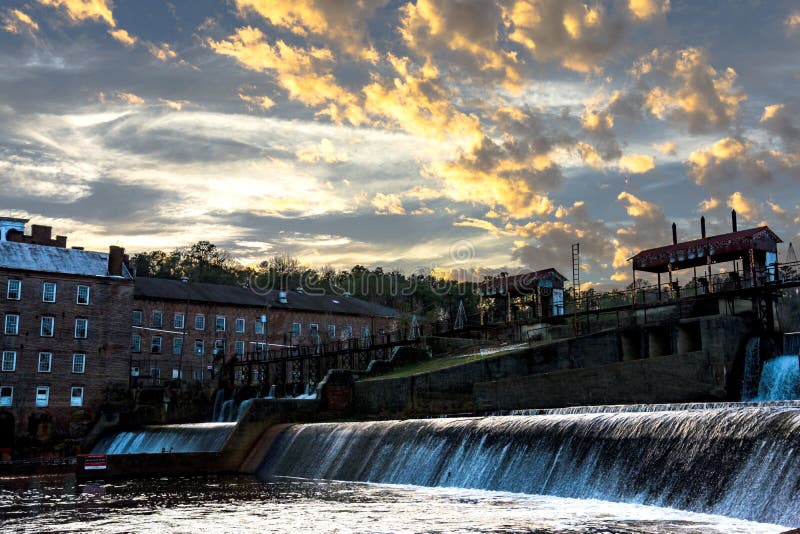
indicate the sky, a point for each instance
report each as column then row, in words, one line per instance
column 445, row 135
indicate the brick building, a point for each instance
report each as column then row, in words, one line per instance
column 177, row 324
column 66, row 333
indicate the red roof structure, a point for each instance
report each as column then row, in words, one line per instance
column 714, row 249
column 522, row 284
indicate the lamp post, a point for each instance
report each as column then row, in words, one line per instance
column 185, row 280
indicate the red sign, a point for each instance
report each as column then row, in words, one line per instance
column 94, row 461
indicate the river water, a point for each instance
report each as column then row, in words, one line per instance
column 247, row 504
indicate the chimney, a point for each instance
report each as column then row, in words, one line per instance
column 61, row 241
column 10, row 224
column 733, row 220
column 703, row 227
column 41, row 235
column 115, row 256
column 674, row 234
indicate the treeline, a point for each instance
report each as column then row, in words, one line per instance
column 431, row 298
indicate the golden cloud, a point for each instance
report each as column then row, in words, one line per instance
column 82, row 10
column 771, row 111
column 648, row 9
column 692, row 92
column 324, row 151
column 727, row 160
column 123, row 37
column 745, row 207
column 304, row 73
column 16, row 21
column 708, row 205
column 341, row 22
column 388, row 204
column 793, row 20
column 257, row 101
column 130, row 98
column 636, row 207
column 177, row 105
column 668, row 148
column 637, row 163
column 162, row 52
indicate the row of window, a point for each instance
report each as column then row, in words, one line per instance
column 179, row 321
column 14, row 292
column 42, row 398
column 47, row 326
column 45, row 362
column 157, row 344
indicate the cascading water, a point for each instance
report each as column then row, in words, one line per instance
column 780, row 379
column 752, row 369
column 226, row 413
column 733, row 460
column 218, row 399
column 201, row 437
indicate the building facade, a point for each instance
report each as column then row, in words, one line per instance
column 178, row 325
column 65, row 334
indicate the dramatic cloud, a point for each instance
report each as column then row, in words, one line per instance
column 637, row 163
column 16, row 21
column 728, row 161
column 83, row 10
column 745, row 207
column 648, row 9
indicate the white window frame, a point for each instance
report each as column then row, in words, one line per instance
column 176, row 373
column 7, row 400
column 201, row 344
column 72, row 396
column 43, row 400
column 240, row 325
column 179, row 324
column 78, row 295
column 160, row 315
column 18, row 290
column 160, row 344
column 85, row 323
column 52, row 326
column 297, row 329
column 137, row 346
column 45, row 286
column 48, row 357
column 201, row 321
column 137, row 317
column 12, row 355
column 177, row 345
column 238, row 347
column 217, row 323
column 14, row 331
column 79, row 357
column 258, row 328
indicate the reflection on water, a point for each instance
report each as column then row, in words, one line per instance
column 245, row 504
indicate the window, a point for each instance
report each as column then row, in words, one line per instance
column 259, row 328
column 42, row 396
column 180, row 320
column 331, row 330
column 49, row 292
column 83, row 295
column 364, row 331
column 239, row 347
column 219, row 325
column 14, row 290
column 199, row 347
column 6, row 395
column 12, row 324
column 347, row 331
column 296, row 329
column 136, row 343
column 78, row 363
column 134, row 371
column 157, row 318
column 155, row 372
column 76, row 396
column 137, row 317
column 45, row 362
column 197, row 374
column 199, row 322
column 48, row 326
column 155, row 344
column 81, row 328
column 177, row 345
column 313, row 329
column 240, row 325
column 9, row 361
column 176, row 374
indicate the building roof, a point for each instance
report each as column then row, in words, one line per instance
column 165, row 289
column 723, row 247
column 520, row 284
column 48, row 259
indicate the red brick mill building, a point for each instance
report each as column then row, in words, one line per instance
column 66, row 332
column 79, row 330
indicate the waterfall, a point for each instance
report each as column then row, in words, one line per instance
column 735, row 460
column 218, row 398
column 271, row 394
column 780, row 379
column 226, row 412
column 752, row 369
column 201, row 437
column 243, row 408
